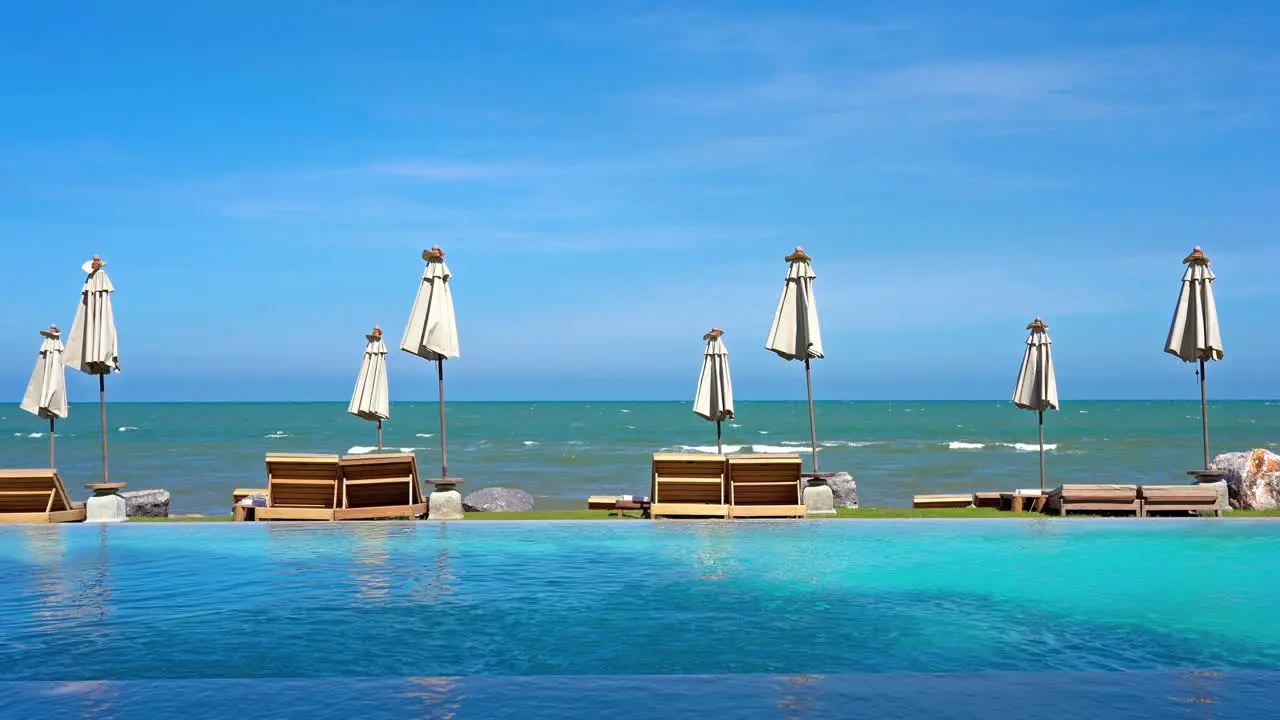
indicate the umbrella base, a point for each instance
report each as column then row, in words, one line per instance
column 106, row 505
column 818, row 497
column 445, row 503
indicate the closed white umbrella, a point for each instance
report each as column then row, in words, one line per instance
column 714, row 399
column 92, row 345
column 432, row 332
column 795, row 334
column 1037, row 387
column 371, row 399
column 46, row 394
column 1194, row 335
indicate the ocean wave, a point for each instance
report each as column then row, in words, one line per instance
column 361, row 449
column 530, row 442
column 631, row 427
column 277, row 434
column 734, row 425
column 126, row 428
column 425, row 435
column 779, row 449
column 29, row 435
column 959, row 445
column 1030, row 447
column 625, row 411
column 709, row 449
column 763, row 432
column 848, row 443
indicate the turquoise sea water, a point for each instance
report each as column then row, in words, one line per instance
column 955, row 618
column 563, row 452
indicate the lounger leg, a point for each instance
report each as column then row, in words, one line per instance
column 1062, row 510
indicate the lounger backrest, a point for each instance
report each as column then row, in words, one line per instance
column 32, row 491
column 765, row 479
column 688, row 478
column 1172, row 493
column 380, row 480
column 302, row 481
column 1100, row 493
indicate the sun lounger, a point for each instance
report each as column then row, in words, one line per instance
column 620, row 503
column 765, row 486
column 1193, row 498
column 36, row 496
column 301, row 487
column 1098, row 498
column 988, row 500
column 941, row 500
column 688, row 485
column 241, row 502
column 380, row 486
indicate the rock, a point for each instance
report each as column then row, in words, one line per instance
column 146, row 503
column 845, row 489
column 498, row 500
column 1253, row 478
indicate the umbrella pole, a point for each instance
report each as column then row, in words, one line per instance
column 102, row 406
column 379, row 436
column 719, row 444
column 1042, row 450
column 1204, row 414
column 52, row 464
column 444, row 457
column 813, row 425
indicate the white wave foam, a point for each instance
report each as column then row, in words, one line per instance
column 710, row 449
column 847, row 443
column 625, row 411
column 425, row 435
column 1083, row 412
column 776, row 449
column 574, row 442
column 763, row 432
column 631, row 427
column 958, row 445
column 277, row 434
column 793, row 442
column 407, row 449
column 30, row 435
column 531, row 442
column 1029, row 447
column 734, row 425
column 361, row 449
column 126, row 428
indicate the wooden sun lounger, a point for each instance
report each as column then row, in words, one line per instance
column 380, row 486
column 688, row 485
column 1110, row 498
column 301, row 486
column 988, row 500
column 765, row 486
column 941, row 500
column 1193, row 498
column 36, row 496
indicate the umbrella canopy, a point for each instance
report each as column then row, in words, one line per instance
column 371, row 399
column 46, row 394
column 432, row 332
column 714, row 399
column 1194, row 333
column 1037, row 387
column 795, row 334
column 91, row 347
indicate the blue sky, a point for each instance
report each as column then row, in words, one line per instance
column 610, row 180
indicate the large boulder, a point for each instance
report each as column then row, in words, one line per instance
column 146, row 503
column 498, row 500
column 1253, row 478
column 845, row 490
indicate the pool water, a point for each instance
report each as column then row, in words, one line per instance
column 1111, row 618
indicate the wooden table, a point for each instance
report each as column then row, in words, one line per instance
column 1018, row 502
column 641, row 505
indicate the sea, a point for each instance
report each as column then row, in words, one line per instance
column 561, row 452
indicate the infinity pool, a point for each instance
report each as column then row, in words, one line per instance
column 640, row 619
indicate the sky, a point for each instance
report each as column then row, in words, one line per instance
column 611, row 180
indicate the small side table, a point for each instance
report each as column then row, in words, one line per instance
column 445, row 502
column 106, row 505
